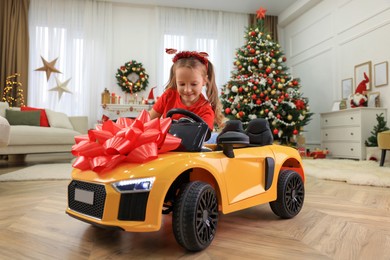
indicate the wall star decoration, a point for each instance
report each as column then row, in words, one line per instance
column 61, row 87
column 48, row 67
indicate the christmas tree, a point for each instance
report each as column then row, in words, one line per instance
column 13, row 92
column 261, row 87
column 372, row 141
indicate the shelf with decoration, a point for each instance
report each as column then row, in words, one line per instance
column 114, row 111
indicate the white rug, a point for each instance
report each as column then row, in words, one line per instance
column 54, row 171
column 350, row 171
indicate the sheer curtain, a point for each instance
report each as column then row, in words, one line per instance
column 78, row 33
column 217, row 33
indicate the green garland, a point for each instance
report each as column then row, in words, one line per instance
column 132, row 77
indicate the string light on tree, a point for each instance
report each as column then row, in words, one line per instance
column 13, row 92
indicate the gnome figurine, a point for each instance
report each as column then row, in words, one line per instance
column 151, row 97
column 359, row 99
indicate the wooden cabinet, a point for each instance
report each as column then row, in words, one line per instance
column 344, row 132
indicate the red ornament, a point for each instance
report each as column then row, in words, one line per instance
column 300, row 104
column 254, row 87
column 276, row 131
column 253, row 33
column 255, row 61
column 227, row 111
column 268, row 70
column 295, row 132
column 258, row 102
column 241, row 114
column 252, row 50
column 254, row 96
column 240, row 89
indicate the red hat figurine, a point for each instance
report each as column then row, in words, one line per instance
column 151, row 96
column 359, row 99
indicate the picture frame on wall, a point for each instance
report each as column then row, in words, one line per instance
column 346, row 88
column 360, row 69
column 373, row 99
column 381, row 74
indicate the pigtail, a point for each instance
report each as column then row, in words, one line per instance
column 212, row 95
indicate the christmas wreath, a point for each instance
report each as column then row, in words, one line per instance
column 132, row 77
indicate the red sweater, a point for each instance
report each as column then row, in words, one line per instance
column 171, row 99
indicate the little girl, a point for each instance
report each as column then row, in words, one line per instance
column 189, row 73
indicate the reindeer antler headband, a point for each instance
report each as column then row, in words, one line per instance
column 201, row 56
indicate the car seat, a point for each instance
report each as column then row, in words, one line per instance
column 259, row 132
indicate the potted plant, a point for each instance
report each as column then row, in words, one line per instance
column 372, row 150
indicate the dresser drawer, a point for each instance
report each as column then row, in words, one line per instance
column 343, row 150
column 341, row 119
column 341, row 134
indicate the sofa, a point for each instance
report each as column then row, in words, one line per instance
column 29, row 130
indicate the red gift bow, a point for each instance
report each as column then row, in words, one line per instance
column 129, row 140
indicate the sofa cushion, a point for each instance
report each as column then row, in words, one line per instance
column 3, row 107
column 23, row 117
column 36, row 135
column 43, row 117
column 58, row 119
column 4, row 130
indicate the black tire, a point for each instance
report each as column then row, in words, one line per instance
column 290, row 195
column 195, row 216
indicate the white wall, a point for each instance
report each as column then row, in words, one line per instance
column 134, row 38
column 324, row 44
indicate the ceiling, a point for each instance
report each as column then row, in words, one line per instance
column 274, row 7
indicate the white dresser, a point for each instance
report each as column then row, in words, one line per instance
column 344, row 132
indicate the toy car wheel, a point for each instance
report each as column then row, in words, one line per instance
column 195, row 216
column 291, row 194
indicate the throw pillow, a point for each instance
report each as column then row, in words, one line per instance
column 58, row 119
column 3, row 107
column 43, row 119
column 23, row 117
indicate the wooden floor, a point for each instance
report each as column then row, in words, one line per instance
column 338, row 221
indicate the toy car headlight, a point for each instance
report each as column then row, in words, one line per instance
column 136, row 185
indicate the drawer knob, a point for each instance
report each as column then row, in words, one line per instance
column 351, row 149
column 351, row 133
column 351, row 117
column 326, row 134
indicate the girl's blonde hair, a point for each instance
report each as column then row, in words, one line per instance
column 211, row 86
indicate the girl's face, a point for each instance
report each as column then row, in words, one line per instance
column 189, row 84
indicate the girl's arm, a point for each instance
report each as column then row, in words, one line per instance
column 153, row 114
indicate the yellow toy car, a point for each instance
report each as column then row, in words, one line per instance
column 195, row 182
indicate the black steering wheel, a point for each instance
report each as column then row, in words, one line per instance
column 192, row 116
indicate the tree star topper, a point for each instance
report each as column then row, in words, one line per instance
column 261, row 13
column 48, row 67
column 61, row 87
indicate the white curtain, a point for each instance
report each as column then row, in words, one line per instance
column 217, row 33
column 78, row 33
